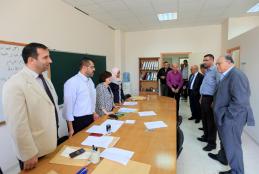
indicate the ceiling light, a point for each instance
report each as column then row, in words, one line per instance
column 254, row 9
column 167, row 16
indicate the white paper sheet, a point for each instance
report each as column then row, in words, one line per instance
column 146, row 113
column 119, row 155
column 69, row 150
column 101, row 129
column 115, row 124
column 127, row 110
column 103, row 141
column 155, row 124
column 130, row 121
column 130, row 103
column 97, row 129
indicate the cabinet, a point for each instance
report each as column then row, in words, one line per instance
column 148, row 69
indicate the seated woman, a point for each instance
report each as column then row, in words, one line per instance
column 104, row 95
column 116, row 86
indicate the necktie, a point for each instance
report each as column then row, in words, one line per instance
column 190, row 82
column 50, row 96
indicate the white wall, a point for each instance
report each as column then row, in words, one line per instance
column 249, row 52
column 198, row 40
column 60, row 27
column 240, row 25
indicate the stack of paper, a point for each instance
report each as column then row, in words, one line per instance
column 103, row 141
column 119, row 155
column 146, row 113
column 130, row 103
column 127, row 110
column 155, row 124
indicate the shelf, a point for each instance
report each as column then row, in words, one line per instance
column 148, row 81
column 148, row 70
column 147, row 93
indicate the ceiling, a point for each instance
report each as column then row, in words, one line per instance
column 135, row 15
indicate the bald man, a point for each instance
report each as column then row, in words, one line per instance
column 194, row 85
column 174, row 82
column 232, row 111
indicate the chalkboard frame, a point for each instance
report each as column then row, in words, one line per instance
column 2, row 122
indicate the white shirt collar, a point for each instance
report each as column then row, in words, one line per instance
column 226, row 72
column 84, row 78
column 31, row 72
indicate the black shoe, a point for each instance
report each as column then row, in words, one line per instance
column 197, row 121
column 215, row 157
column 226, row 172
column 209, row 147
column 202, row 139
column 191, row 118
column 200, row 128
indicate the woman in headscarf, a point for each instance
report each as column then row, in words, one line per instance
column 116, row 86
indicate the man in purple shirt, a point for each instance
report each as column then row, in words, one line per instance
column 174, row 82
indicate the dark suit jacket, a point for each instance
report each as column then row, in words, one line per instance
column 232, row 100
column 115, row 90
column 162, row 72
column 196, row 84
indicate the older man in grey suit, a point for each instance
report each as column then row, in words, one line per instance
column 232, row 111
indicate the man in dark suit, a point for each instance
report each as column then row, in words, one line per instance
column 194, row 85
column 232, row 111
column 162, row 76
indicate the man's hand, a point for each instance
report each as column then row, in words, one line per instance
column 96, row 116
column 70, row 129
column 31, row 163
column 162, row 77
column 71, row 132
column 173, row 90
column 177, row 90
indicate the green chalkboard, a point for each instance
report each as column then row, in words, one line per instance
column 65, row 65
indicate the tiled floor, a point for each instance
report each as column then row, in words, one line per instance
column 193, row 160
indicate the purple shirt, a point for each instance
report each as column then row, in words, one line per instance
column 174, row 79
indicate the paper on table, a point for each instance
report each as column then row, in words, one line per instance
column 146, row 113
column 103, row 141
column 119, row 155
column 155, row 124
column 127, row 110
column 69, row 150
column 130, row 103
column 101, row 129
column 115, row 124
column 97, row 129
column 130, row 121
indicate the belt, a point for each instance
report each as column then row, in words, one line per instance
column 206, row 95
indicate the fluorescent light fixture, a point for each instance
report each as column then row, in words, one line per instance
column 167, row 16
column 254, row 9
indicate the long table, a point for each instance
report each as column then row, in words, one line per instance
column 156, row 147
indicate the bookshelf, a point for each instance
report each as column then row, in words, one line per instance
column 148, row 69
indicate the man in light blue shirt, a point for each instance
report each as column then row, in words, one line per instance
column 80, row 98
column 207, row 90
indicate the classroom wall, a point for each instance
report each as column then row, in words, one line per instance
column 240, row 25
column 198, row 40
column 56, row 24
column 249, row 62
column 59, row 26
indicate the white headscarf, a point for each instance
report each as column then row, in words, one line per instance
column 115, row 79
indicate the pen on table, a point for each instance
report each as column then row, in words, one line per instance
column 82, row 171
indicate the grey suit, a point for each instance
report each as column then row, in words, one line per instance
column 232, row 111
